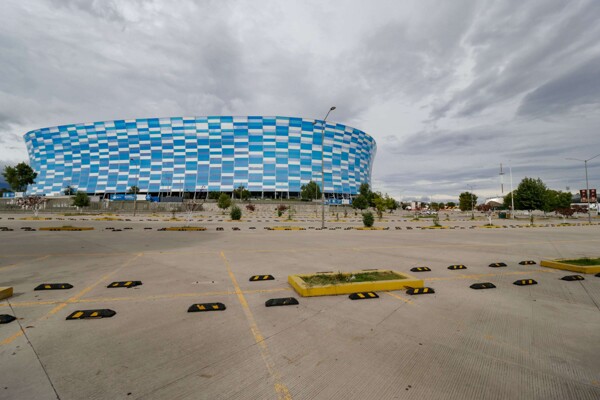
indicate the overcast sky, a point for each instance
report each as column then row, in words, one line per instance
column 449, row 89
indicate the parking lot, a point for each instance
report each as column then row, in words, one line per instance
column 532, row 342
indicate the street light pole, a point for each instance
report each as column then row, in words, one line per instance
column 135, row 191
column 587, row 186
column 323, row 168
column 512, row 196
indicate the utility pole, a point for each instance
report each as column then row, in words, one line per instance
column 136, row 188
column 323, row 168
column 512, row 196
column 501, row 180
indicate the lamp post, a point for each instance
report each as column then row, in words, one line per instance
column 512, row 196
column 136, row 190
column 587, row 186
column 322, row 168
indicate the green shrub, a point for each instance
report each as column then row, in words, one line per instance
column 236, row 213
column 224, row 201
column 81, row 199
column 368, row 219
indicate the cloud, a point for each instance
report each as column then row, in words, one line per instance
column 568, row 92
column 448, row 89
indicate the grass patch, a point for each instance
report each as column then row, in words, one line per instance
column 340, row 277
column 582, row 262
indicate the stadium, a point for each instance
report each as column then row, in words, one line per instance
column 269, row 156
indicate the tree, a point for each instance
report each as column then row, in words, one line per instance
column 19, row 176
column 365, row 190
column 508, row 199
column 380, row 205
column 374, row 198
column 434, row 206
column 224, row 201
column 450, row 204
column 310, row 191
column 242, row 193
column 441, row 206
column 81, row 199
column 556, row 199
column 390, row 203
column 565, row 212
column 33, row 203
column 530, row 194
column 213, row 195
column 190, row 206
column 236, row 213
column 360, row 202
column 133, row 190
column 467, row 201
column 281, row 209
column 368, row 219
column 69, row 190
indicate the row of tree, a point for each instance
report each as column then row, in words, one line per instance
column 531, row 194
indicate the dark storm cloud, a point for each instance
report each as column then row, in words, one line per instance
column 446, row 142
column 516, row 48
column 579, row 87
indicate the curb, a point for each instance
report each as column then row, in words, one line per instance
column 304, row 290
column 592, row 269
column 6, row 292
column 66, row 228
column 185, row 228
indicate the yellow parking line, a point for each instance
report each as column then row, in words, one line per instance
column 72, row 299
column 93, row 285
column 408, row 301
column 142, row 298
column 26, row 261
column 280, row 388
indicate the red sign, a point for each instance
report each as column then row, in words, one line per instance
column 583, row 195
column 593, row 197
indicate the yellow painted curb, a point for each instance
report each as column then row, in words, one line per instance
column 490, row 227
column 347, row 288
column 287, row 228
column 186, row 228
column 592, row 269
column 35, row 219
column 5, row 292
column 66, row 228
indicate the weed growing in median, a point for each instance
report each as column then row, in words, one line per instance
column 341, row 277
column 583, row 262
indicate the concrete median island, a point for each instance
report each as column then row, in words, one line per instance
column 582, row 265
column 335, row 283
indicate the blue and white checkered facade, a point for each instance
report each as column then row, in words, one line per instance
column 264, row 154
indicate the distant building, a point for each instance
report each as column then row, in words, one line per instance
column 495, row 202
